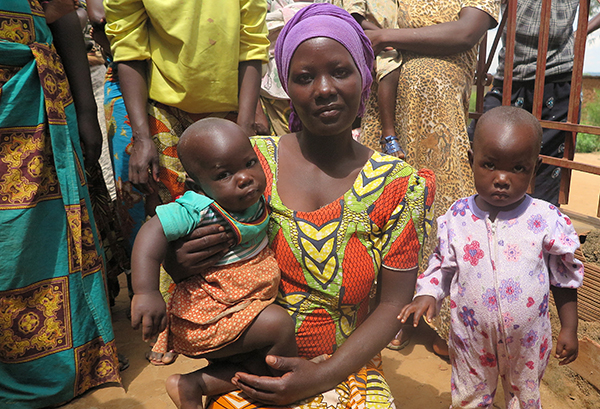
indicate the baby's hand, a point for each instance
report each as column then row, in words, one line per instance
column 149, row 310
column 421, row 305
column 567, row 346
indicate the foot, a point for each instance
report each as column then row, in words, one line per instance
column 159, row 359
column 184, row 392
column 401, row 340
column 440, row 348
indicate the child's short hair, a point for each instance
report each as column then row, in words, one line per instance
column 509, row 116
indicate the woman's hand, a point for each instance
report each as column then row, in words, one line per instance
column 422, row 305
column 91, row 137
column 301, row 380
column 195, row 253
column 143, row 164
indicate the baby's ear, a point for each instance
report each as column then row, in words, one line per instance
column 470, row 155
column 538, row 163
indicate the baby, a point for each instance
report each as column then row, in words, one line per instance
column 499, row 253
column 226, row 314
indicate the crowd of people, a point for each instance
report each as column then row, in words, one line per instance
column 294, row 182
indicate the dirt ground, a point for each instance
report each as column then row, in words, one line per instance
column 418, row 378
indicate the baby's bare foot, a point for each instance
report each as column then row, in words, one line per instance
column 184, row 392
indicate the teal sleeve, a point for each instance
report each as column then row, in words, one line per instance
column 181, row 217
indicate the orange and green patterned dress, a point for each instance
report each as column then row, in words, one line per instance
column 330, row 259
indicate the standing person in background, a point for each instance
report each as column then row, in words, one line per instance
column 439, row 54
column 52, row 267
column 375, row 15
column 557, row 83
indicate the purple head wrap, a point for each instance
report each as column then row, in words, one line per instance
column 324, row 20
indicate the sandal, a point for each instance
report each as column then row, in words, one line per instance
column 402, row 344
column 390, row 145
column 123, row 362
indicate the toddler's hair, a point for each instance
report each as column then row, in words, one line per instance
column 510, row 116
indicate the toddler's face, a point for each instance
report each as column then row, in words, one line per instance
column 503, row 160
column 231, row 174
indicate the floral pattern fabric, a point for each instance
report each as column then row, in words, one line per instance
column 498, row 276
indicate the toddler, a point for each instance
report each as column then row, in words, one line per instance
column 499, row 253
column 226, row 311
column 376, row 15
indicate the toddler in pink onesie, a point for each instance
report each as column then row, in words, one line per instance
column 499, row 253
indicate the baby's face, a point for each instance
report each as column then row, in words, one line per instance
column 503, row 160
column 231, row 174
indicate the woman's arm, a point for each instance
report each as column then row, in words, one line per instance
column 567, row 345
column 249, row 89
column 68, row 40
column 439, row 39
column 305, row 378
column 144, row 155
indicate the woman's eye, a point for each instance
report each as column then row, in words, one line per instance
column 302, row 79
column 341, row 73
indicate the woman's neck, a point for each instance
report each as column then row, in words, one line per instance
column 336, row 155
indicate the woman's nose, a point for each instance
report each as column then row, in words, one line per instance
column 325, row 86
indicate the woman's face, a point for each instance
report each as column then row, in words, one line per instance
column 325, row 86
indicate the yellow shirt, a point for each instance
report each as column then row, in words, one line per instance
column 193, row 48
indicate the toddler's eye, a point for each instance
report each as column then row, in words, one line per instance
column 489, row 165
column 519, row 169
column 251, row 163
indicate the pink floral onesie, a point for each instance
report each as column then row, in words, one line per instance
column 498, row 275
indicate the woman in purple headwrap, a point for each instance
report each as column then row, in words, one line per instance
column 347, row 225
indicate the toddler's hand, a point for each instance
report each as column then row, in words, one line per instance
column 149, row 310
column 567, row 346
column 421, row 305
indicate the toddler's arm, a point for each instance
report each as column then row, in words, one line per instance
column 567, row 345
column 147, row 306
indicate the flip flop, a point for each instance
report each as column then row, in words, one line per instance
column 400, row 346
column 123, row 362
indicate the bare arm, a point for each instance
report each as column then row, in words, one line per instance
column 593, row 24
column 68, row 40
column 249, row 89
column 306, row 378
column 567, row 345
column 147, row 305
column 439, row 39
column 144, row 155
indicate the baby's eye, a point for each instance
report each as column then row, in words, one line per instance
column 519, row 169
column 251, row 163
column 223, row 175
column 489, row 165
